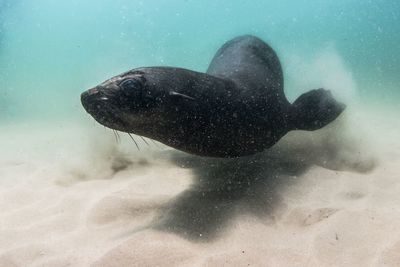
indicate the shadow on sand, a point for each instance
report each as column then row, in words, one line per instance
column 250, row 185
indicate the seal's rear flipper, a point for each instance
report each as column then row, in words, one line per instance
column 315, row 109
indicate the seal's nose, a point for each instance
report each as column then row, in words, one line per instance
column 89, row 99
column 88, row 93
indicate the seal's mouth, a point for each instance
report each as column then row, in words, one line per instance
column 100, row 107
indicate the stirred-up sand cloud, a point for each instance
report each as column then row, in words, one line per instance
column 325, row 68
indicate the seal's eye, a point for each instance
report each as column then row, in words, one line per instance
column 131, row 87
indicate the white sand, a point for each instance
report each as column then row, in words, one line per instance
column 70, row 196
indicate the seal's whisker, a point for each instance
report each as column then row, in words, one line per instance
column 115, row 135
column 144, row 140
column 134, row 141
column 119, row 137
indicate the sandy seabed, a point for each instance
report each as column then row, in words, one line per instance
column 70, row 195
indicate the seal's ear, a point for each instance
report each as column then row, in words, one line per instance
column 315, row 109
column 179, row 95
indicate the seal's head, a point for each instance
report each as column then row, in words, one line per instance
column 125, row 101
column 139, row 101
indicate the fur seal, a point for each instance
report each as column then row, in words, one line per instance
column 237, row 108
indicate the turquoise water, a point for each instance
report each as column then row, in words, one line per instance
column 73, row 193
column 51, row 51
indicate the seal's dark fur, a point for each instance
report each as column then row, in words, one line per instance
column 237, row 108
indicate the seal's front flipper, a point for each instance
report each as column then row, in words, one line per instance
column 315, row 109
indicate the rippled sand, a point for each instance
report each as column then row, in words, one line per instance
column 71, row 196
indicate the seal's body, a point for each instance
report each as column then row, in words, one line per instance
column 237, row 108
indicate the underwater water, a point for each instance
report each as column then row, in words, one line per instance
column 52, row 51
column 73, row 195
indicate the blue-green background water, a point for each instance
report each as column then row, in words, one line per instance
column 50, row 51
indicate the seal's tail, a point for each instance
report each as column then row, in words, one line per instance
column 315, row 109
